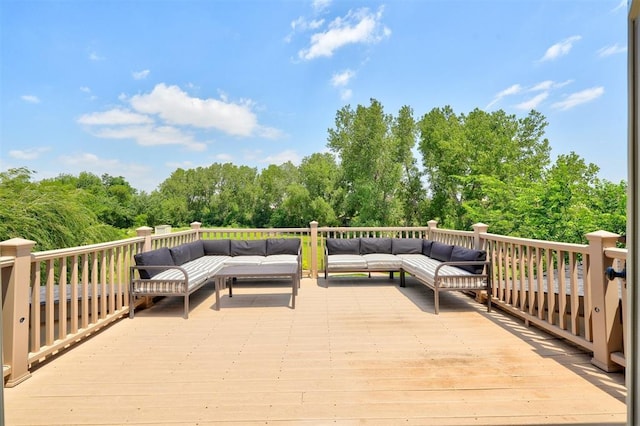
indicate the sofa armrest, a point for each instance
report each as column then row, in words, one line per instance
column 486, row 272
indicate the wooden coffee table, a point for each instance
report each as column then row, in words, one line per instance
column 227, row 273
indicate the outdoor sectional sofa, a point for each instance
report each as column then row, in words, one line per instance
column 441, row 267
column 181, row 270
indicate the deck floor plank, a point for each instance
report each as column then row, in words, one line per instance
column 356, row 351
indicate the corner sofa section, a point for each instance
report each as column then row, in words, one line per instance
column 439, row 266
column 181, row 270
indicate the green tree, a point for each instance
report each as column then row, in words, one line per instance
column 476, row 163
column 48, row 212
column 273, row 185
column 369, row 160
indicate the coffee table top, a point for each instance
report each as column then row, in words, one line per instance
column 264, row 270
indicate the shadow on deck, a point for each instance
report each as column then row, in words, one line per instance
column 355, row 350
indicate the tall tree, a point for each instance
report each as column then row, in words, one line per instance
column 368, row 155
column 476, row 161
column 411, row 192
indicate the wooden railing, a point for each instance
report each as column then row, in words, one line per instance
column 558, row 287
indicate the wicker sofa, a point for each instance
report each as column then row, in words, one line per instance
column 439, row 266
column 181, row 270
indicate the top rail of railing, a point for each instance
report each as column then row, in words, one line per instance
column 90, row 248
column 381, row 231
column 543, row 244
column 616, row 253
column 6, row 261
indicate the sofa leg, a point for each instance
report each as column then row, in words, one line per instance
column 186, row 307
column 402, row 283
column 390, row 275
column 436, row 301
column 132, row 306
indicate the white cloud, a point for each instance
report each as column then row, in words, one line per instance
column 28, row 154
column 543, row 85
column 85, row 89
column 180, row 164
column 140, row 75
column 176, row 107
column 163, row 117
column 282, row 157
column 611, row 50
column 559, row 49
column 226, row 158
column 342, row 78
column 269, row 132
column 533, row 102
column 548, row 85
column 579, row 98
column 345, row 94
column 32, row 99
column 359, row 26
column 320, row 5
column 511, row 90
column 302, row 24
column 114, row 117
column 133, row 172
column 621, row 6
column 147, row 135
column 95, row 57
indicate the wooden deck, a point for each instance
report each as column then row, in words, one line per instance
column 360, row 351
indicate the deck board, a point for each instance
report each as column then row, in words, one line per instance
column 356, row 351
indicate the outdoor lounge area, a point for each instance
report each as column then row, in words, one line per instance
column 359, row 348
column 359, row 351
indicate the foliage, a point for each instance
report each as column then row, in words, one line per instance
column 488, row 167
column 49, row 212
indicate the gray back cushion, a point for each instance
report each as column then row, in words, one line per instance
column 180, row 254
column 248, row 247
column 406, row 246
column 460, row 254
column 197, row 249
column 426, row 247
column 375, row 245
column 441, row 251
column 161, row 256
column 217, row 247
column 283, row 246
column 343, row 245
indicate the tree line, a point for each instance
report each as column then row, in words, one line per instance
column 381, row 169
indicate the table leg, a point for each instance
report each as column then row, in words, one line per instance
column 294, row 290
column 217, row 281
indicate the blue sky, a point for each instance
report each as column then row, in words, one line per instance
column 140, row 88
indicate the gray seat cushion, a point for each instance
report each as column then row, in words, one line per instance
column 346, row 262
column 383, row 261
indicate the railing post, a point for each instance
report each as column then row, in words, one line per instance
column 314, row 250
column 607, row 329
column 145, row 231
column 196, row 227
column 432, row 224
column 478, row 229
column 15, row 308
